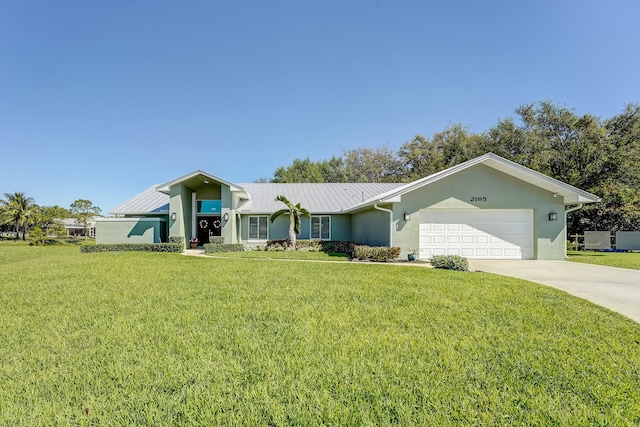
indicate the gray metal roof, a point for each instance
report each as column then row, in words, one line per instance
column 316, row 198
column 149, row 201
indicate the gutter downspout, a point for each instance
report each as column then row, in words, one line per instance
column 565, row 223
column 375, row 206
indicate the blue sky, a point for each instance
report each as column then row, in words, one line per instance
column 101, row 99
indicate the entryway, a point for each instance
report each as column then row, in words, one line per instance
column 208, row 226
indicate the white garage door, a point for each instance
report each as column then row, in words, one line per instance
column 487, row 233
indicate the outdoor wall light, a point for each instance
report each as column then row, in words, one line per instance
column 173, row 216
column 226, row 217
column 553, row 216
column 407, row 217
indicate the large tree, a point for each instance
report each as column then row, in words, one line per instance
column 295, row 213
column 20, row 210
column 372, row 165
column 83, row 210
column 596, row 155
column 306, row 170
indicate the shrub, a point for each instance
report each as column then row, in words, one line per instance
column 450, row 262
column 276, row 245
column 139, row 247
column 211, row 248
column 177, row 239
column 37, row 235
column 339, row 246
column 216, row 240
column 376, row 253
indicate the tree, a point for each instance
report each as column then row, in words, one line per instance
column 372, row 165
column 50, row 219
column 306, row 170
column 20, row 210
column 420, row 158
column 37, row 235
column 84, row 210
column 295, row 212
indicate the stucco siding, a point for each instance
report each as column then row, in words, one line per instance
column 341, row 227
column 370, row 227
column 180, row 204
column 482, row 187
column 131, row 230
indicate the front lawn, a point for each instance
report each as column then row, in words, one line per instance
column 279, row 255
column 164, row 339
column 610, row 259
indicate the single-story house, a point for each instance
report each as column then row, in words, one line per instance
column 487, row 207
column 75, row 228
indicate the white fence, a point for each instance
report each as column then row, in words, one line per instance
column 605, row 241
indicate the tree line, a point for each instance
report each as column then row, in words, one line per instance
column 20, row 214
column 601, row 156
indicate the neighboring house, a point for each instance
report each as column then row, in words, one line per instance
column 487, row 207
column 75, row 228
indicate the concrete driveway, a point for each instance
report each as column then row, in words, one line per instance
column 615, row 288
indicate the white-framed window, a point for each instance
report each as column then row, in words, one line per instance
column 321, row 227
column 258, row 227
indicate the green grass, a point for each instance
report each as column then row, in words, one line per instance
column 164, row 339
column 612, row 259
column 280, row 255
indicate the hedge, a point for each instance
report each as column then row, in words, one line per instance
column 376, row 253
column 337, row 246
column 450, row 262
column 212, row 248
column 139, row 247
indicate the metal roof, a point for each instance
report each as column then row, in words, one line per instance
column 316, row 198
column 341, row 197
column 147, row 202
column 569, row 193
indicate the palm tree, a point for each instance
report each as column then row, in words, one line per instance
column 295, row 212
column 19, row 209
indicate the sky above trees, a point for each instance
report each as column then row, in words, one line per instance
column 100, row 100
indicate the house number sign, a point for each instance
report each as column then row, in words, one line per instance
column 479, row 198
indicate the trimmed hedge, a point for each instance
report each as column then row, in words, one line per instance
column 337, row 246
column 139, row 247
column 176, row 239
column 216, row 240
column 376, row 253
column 450, row 262
column 212, row 248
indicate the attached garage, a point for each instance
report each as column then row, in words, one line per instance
column 486, row 234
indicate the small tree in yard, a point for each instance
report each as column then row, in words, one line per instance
column 295, row 212
column 84, row 210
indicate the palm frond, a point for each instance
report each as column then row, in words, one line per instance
column 276, row 214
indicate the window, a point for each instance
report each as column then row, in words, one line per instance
column 258, row 227
column 320, row 227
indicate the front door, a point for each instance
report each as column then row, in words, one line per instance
column 208, row 226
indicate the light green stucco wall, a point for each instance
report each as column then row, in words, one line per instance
column 180, row 203
column 341, row 227
column 502, row 192
column 131, row 230
column 371, row 227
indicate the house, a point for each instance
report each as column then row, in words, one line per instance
column 75, row 228
column 487, row 207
